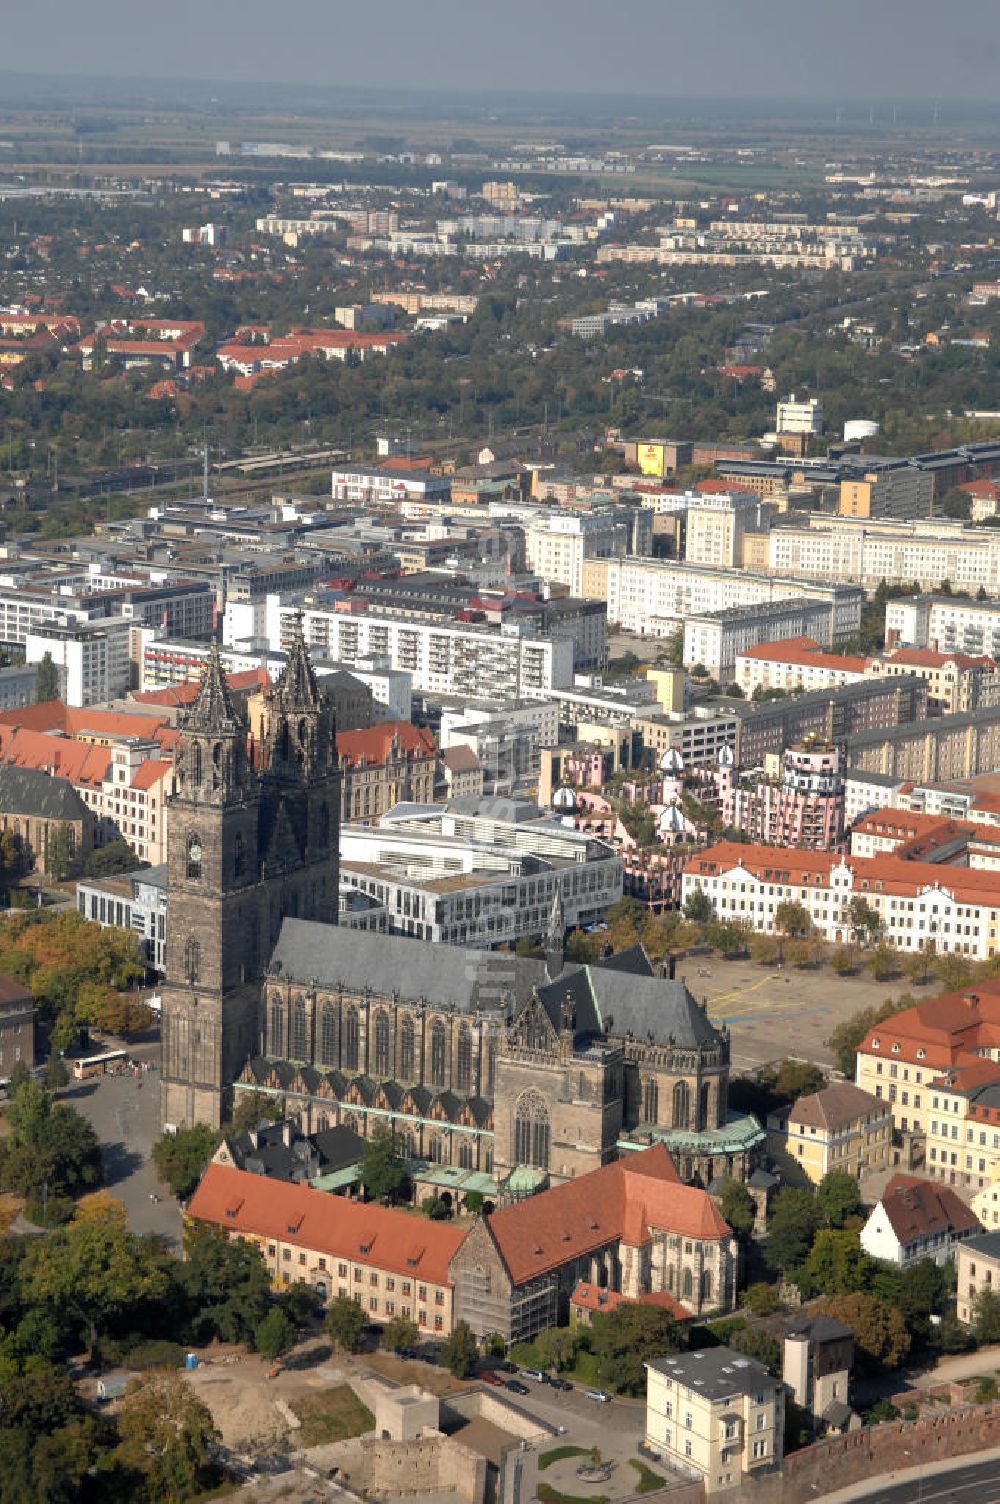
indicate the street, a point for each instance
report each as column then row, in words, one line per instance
column 966, row 1483
column 125, row 1114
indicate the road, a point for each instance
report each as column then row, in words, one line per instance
column 965, row 1483
column 125, row 1114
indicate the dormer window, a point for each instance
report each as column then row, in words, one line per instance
column 874, row 1044
column 921, row 1054
column 895, row 1047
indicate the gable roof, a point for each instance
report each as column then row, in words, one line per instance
column 917, row 1209
column 29, row 791
column 836, row 1106
column 372, row 745
column 377, row 1236
column 623, row 1200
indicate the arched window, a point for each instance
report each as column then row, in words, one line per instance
column 194, row 857
column 465, row 1155
column 196, row 762
column 463, row 1060
column 650, row 1100
column 192, row 960
column 239, row 856
column 300, row 1048
column 491, row 1063
column 434, row 1150
column 351, row 1039
column 703, row 1104
column 381, row 1043
column 688, row 1285
column 438, row 1053
column 706, row 1286
column 276, row 1026
column 406, row 1049
column 531, row 1130
column 682, row 1105
column 328, row 1035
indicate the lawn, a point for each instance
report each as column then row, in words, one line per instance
column 558, row 1453
column 648, row 1480
column 550, row 1495
column 584, row 1370
column 333, row 1415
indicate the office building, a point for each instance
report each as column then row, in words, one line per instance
column 794, row 415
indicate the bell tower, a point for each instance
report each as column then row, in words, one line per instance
column 210, row 999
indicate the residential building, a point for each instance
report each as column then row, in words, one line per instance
column 715, row 527
column 866, row 552
column 280, row 1152
column 508, row 740
column 919, row 903
column 916, row 1220
column 944, row 624
column 136, row 901
column 630, row 1227
column 391, row 763
column 92, row 658
column 715, row 1415
column 941, row 750
column 46, row 816
column 17, row 1026
column 838, row 1128
column 963, row 1133
column 817, row 1358
column 826, row 715
column 794, row 664
column 986, row 1205
column 890, row 488
column 462, row 773
column 977, row 1261
column 799, row 800
column 18, row 686
column 716, row 640
column 955, row 681
column 384, row 1260
column 799, row 416
column 374, row 486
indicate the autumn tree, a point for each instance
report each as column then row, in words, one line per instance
column 880, row 1333
column 167, row 1435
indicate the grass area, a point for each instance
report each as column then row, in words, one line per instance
column 558, row 1453
column 550, row 1495
column 333, row 1415
column 648, row 1480
column 584, row 1370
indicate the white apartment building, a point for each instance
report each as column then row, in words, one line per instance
column 715, row 640
column 794, row 665
column 130, row 800
column 448, row 658
column 714, row 530
column 92, row 658
column 901, row 553
column 478, row 872
column 794, row 416
column 507, row 739
column 652, row 597
column 944, row 624
column 957, row 908
column 557, row 544
column 369, row 485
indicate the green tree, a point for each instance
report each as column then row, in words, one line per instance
column 275, row 1334
column 738, row 1207
column 865, row 922
column 180, row 1158
column 60, row 857
column 761, row 1299
column 986, row 1317
column 557, row 1346
column 835, row 1265
column 795, row 1218
column 847, row 1036
column 758, row 1344
column 880, row 1334
column 698, row 906
column 883, row 962
column 345, row 1324
column 458, row 1351
column 222, row 1286
column 383, row 1169
column 400, row 1334
column 253, row 1108
column 624, row 1341
column 167, row 1435
column 47, row 682
column 792, row 918
column 839, row 1197
column 51, row 1151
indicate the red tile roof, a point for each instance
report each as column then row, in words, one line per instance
column 620, row 1201
column 916, row 1209
column 592, row 1297
column 929, row 658
column 806, row 652
column 948, row 1029
column 363, row 1233
column 371, row 745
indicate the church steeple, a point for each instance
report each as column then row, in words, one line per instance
column 300, row 728
column 212, row 764
column 213, row 711
column 555, row 939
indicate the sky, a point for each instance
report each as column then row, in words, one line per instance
column 841, row 50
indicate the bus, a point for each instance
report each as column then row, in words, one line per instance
column 97, row 1065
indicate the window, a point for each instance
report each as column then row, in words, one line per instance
column 463, row 1060
column 406, row 1050
column 650, row 1101
column 194, row 858
column 682, row 1105
column 192, row 959
column 351, row 1039
column 531, row 1131
column 328, row 1035
column 381, row 1043
column 299, row 1047
column 438, row 1054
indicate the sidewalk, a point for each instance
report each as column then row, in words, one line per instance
column 869, row 1486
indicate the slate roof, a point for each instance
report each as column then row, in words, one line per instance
column 31, row 791
column 618, row 999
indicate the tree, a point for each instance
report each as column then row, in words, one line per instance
column 698, row 906
column 865, row 922
column 47, row 681
column 458, row 1352
column 624, row 1341
column 986, row 1317
column 60, row 856
column 795, row 1218
column 383, row 1169
column 761, row 1299
column 883, row 962
column 835, row 1265
column 557, row 1346
column 880, row 1333
column 180, row 1158
column 738, row 1207
column 955, row 503
column 400, row 1334
column 275, row 1334
column 847, row 1036
column 792, row 918
column 839, row 1197
column 222, row 1286
column 51, row 1151
column 167, row 1435
column 253, row 1108
column 758, row 1344
column 345, row 1324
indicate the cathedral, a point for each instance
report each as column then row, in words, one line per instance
column 520, row 1069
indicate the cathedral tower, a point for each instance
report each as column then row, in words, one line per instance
column 246, row 845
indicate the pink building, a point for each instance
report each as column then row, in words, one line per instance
column 801, row 804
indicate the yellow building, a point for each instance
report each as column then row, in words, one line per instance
column 669, row 685
column 986, row 1206
column 839, row 1128
column 963, row 1129
column 977, row 1262
column 716, row 1415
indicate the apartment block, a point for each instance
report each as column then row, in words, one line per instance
column 717, row 639
column 715, row 1415
column 838, row 1128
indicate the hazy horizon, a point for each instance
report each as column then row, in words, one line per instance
column 862, row 51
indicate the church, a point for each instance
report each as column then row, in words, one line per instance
column 523, row 1070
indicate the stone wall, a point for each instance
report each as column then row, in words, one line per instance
column 432, row 1464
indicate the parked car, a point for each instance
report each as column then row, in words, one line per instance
column 600, row 1395
column 563, row 1384
column 516, row 1387
column 491, row 1378
column 532, row 1373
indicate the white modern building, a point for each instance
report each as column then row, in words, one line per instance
column 370, row 486
column 92, row 658
column 795, row 416
column 717, row 639
column 924, row 553
column 944, row 624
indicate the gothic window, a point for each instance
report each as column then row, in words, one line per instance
column 194, row 857
column 703, row 1100
column 463, row 1066
column 465, row 1156
column 538, row 1034
column 351, row 1039
column 239, row 856
column 406, row 1050
column 438, row 1055
column 706, row 1286
column 682, row 1105
column 688, row 1285
column 531, row 1130
column 409, row 1143
column 276, row 1026
column 434, row 1151
column 299, row 1050
column 491, row 1062
column 328, row 1035
column 196, row 762
column 650, row 1101
column 192, row 959
column 216, row 765
column 381, row 1044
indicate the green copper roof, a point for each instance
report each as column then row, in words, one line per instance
column 740, row 1132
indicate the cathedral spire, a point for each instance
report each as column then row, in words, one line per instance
column 555, row 939
column 213, row 711
column 297, row 685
